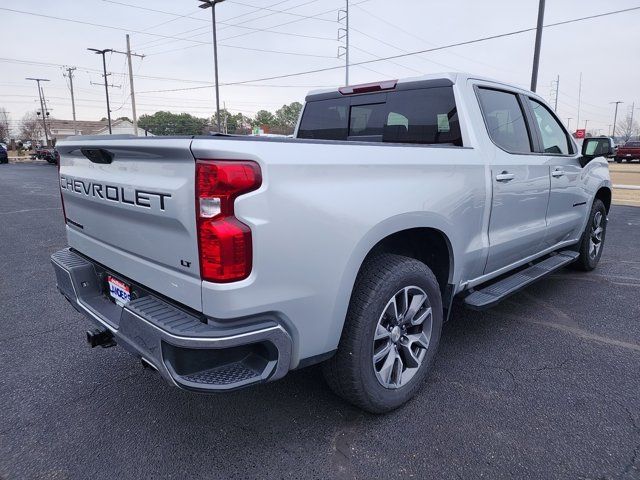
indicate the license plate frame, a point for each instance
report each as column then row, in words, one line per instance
column 119, row 291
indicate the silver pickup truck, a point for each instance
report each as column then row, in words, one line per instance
column 227, row 261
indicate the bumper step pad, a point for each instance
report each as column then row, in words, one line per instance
column 225, row 375
column 490, row 295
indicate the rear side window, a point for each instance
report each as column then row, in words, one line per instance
column 554, row 138
column 504, row 117
column 422, row 116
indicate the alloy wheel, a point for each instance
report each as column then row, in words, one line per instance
column 402, row 337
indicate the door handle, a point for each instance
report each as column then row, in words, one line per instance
column 558, row 172
column 505, row 177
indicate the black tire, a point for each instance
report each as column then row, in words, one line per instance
column 618, row 160
column 350, row 373
column 587, row 261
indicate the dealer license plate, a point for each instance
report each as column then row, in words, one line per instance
column 119, row 291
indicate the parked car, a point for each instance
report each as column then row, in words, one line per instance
column 51, row 155
column 4, row 154
column 629, row 151
column 345, row 245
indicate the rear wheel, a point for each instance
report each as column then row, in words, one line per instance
column 593, row 237
column 390, row 336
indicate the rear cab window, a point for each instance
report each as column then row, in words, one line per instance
column 426, row 116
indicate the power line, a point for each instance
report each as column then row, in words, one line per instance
column 408, row 54
column 227, row 25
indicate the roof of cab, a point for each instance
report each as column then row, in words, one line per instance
column 431, row 80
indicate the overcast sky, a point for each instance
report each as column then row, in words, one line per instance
column 606, row 50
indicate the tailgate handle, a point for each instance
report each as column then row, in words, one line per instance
column 97, row 155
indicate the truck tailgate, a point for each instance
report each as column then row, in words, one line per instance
column 130, row 205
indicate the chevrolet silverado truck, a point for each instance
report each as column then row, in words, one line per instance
column 629, row 151
column 227, row 261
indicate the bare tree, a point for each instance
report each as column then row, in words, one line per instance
column 31, row 127
column 4, row 125
column 627, row 128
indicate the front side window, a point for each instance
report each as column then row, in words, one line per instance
column 505, row 120
column 554, row 138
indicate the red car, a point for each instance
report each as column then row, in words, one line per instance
column 629, row 151
column 51, row 155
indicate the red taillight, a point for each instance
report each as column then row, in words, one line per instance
column 224, row 241
column 64, row 213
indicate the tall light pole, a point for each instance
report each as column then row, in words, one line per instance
column 569, row 122
column 585, row 126
column 212, row 4
column 536, row 51
column 44, row 114
column 106, row 85
column 615, row 117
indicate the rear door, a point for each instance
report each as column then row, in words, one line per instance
column 130, row 205
column 568, row 199
column 520, row 180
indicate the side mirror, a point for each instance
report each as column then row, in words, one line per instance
column 595, row 147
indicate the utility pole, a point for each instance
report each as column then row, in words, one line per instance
column 343, row 34
column 536, row 52
column 579, row 97
column 568, row 123
column 633, row 107
column 69, row 74
column 615, row 117
column 44, row 123
column 212, row 4
column 106, row 85
column 133, row 94
column 555, row 108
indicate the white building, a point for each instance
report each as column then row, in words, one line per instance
column 61, row 129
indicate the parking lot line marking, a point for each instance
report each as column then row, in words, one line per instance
column 627, row 187
column 579, row 332
column 30, row 210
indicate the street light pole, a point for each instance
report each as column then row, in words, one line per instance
column 106, row 84
column 569, row 122
column 212, row 4
column 615, row 118
column 44, row 122
column 536, row 52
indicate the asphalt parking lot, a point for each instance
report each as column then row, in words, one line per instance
column 545, row 386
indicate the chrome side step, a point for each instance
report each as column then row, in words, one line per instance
column 496, row 292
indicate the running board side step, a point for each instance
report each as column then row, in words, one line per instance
column 496, row 292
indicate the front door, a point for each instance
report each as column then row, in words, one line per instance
column 568, row 200
column 520, row 181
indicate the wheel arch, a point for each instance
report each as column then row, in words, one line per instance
column 396, row 235
column 605, row 195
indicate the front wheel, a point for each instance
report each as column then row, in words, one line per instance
column 593, row 237
column 390, row 336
